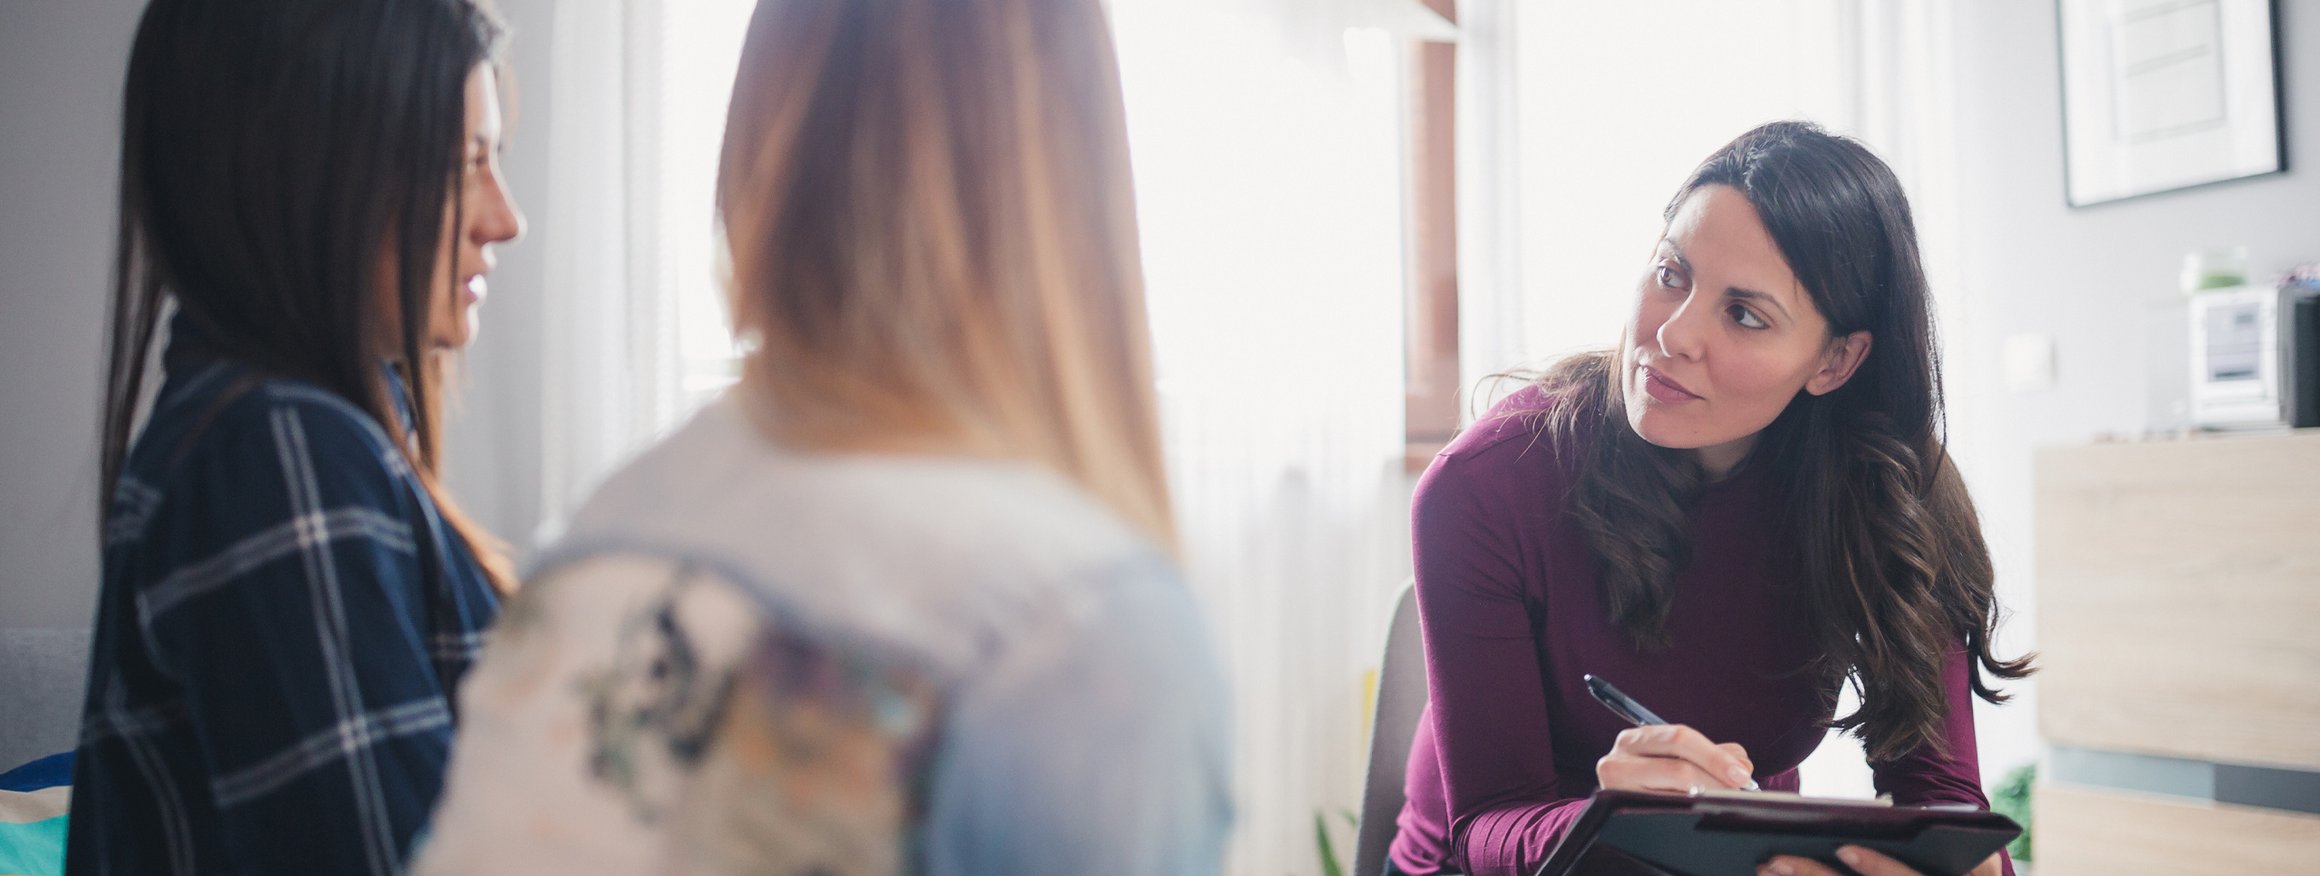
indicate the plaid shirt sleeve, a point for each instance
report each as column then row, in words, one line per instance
column 287, row 609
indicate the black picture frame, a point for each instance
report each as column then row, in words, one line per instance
column 2164, row 95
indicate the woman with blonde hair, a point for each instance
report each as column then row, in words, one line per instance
column 904, row 600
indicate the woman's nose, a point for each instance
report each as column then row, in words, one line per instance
column 1679, row 336
column 501, row 221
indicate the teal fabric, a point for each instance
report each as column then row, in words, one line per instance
column 33, row 849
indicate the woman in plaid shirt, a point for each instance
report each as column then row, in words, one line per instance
column 289, row 598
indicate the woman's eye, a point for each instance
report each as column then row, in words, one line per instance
column 1747, row 318
column 1667, row 276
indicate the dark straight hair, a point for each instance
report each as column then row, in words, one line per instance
column 1885, row 540
column 280, row 160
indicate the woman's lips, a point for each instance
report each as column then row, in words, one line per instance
column 476, row 289
column 1665, row 390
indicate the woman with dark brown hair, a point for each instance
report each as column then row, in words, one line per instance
column 1740, row 509
column 290, row 597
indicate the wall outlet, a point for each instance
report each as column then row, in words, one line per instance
column 2029, row 362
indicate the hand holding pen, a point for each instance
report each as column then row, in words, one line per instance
column 1655, row 755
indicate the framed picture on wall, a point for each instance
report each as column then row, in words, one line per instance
column 2165, row 94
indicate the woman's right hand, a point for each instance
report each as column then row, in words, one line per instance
column 1672, row 758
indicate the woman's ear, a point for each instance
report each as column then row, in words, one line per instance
column 1838, row 364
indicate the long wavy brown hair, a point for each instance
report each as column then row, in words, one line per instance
column 1884, row 537
column 934, row 242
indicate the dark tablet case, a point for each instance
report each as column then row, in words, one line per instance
column 1647, row 834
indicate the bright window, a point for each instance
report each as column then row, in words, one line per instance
column 700, row 47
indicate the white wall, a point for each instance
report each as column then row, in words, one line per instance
column 2100, row 280
column 61, row 66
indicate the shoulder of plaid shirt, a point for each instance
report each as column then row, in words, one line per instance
column 283, row 617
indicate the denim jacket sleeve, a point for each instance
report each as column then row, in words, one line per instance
column 1105, row 751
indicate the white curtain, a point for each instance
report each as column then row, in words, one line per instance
column 605, row 342
column 1267, row 141
column 635, row 333
column 1490, row 249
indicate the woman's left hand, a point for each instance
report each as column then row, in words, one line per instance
column 1863, row 861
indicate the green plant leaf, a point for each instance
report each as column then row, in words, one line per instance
column 1329, row 863
column 2012, row 798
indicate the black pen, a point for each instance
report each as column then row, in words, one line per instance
column 1633, row 712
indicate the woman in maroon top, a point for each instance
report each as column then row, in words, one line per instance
column 1738, row 509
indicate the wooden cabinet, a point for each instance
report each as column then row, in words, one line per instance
column 2179, row 619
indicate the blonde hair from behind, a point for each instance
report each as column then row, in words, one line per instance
column 933, row 239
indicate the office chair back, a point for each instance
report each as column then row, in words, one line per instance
column 1401, row 696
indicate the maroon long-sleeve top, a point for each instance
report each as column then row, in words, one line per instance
column 1514, row 615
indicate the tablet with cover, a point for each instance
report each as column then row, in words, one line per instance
column 1730, row 832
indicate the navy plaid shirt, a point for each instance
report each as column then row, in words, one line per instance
column 283, row 623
